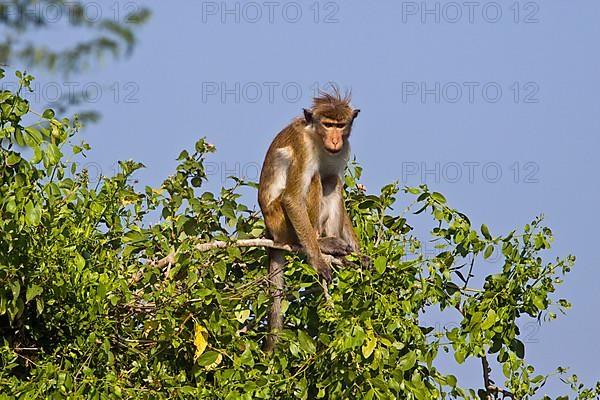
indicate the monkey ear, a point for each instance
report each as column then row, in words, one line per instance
column 308, row 117
column 355, row 113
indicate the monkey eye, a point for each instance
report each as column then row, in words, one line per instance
column 340, row 125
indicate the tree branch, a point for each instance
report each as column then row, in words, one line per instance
column 491, row 389
column 169, row 260
column 221, row 244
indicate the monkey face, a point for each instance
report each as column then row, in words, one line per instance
column 333, row 124
column 333, row 133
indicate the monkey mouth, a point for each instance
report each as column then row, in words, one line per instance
column 333, row 151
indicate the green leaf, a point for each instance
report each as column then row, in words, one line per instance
column 228, row 211
column 21, row 106
column 15, row 288
column 39, row 305
column 12, row 159
column 488, row 252
column 11, row 205
column 246, row 358
column 32, row 292
column 134, row 236
column 196, row 181
column 284, row 306
column 538, row 378
column 407, row 361
column 53, row 153
column 438, row 197
column 33, row 137
column 485, row 231
column 220, row 268
column 306, row 342
column 37, row 155
column 33, row 214
column 506, row 370
column 451, row 380
column 19, row 137
column 207, row 358
column 538, row 301
column 518, row 347
column 48, row 113
column 79, row 262
column 380, row 264
column 459, row 236
column 460, row 355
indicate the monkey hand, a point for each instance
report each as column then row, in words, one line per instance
column 322, row 267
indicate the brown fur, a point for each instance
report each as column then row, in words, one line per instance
column 300, row 192
column 333, row 105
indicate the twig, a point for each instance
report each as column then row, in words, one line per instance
column 490, row 388
column 469, row 274
column 486, row 376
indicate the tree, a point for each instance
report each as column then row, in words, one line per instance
column 97, row 303
column 100, row 29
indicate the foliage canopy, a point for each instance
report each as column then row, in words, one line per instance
column 83, row 313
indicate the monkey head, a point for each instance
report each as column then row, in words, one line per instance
column 331, row 118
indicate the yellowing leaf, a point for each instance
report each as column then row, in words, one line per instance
column 490, row 320
column 125, row 202
column 369, row 344
column 200, row 340
column 242, row 316
column 216, row 363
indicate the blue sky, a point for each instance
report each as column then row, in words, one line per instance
column 494, row 104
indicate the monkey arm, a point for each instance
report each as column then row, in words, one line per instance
column 298, row 216
column 294, row 202
column 348, row 233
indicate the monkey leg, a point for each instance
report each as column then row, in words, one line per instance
column 338, row 248
column 334, row 246
column 276, row 265
column 279, row 227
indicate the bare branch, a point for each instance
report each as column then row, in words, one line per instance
column 221, row 244
column 491, row 389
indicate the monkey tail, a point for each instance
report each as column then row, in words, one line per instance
column 275, row 326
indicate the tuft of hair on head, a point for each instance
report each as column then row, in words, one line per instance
column 332, row 104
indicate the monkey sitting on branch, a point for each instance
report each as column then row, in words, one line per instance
column 301, row 192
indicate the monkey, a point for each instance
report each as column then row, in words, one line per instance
column 300, row 192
